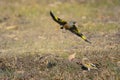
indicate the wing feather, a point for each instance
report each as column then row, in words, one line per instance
column 57, row 19
column 78, row 33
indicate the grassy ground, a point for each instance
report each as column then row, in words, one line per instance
column 33, row 48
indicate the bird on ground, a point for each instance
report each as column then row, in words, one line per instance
column 86, row 63
column 71, row 26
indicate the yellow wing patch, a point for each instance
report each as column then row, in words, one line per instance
column 83, row 37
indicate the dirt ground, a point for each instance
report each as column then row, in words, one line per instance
column 33, row 47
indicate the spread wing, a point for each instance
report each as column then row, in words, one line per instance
column 78, row 33
column 57, row 19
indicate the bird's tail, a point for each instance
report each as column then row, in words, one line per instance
column 85, row 39
column 94, row 66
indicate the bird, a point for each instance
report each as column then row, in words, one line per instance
column 71, row 26
column 87, row 64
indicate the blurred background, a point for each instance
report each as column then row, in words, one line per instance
column 26, row 26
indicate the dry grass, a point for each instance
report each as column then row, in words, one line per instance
column 32, row 48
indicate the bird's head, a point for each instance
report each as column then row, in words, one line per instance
column 73, row 22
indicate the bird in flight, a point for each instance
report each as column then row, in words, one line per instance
column 71, row 26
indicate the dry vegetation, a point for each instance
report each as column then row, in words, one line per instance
column 33, row 48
